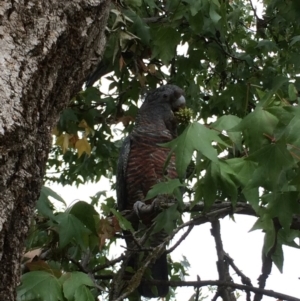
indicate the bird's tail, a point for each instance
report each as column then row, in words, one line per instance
column 159, row 271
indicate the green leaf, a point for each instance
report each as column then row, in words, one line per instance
column 227, row 179
column 292, row 92
column 206, row 189
column 44, row 206
column 91, row 94
column 40, row 284
column 83, row 293
column 72, row 281
column 167, row 187
column 268, row 45
column 68, row 121
column 243, row 169
column 268, row 173
column 215, row 17
column 294, row 40
column 193, row 6
column 133, row 3
column 139, row 26
column 227, row 122
column 284, row 206
column 291, row 132
column 71, row 228
column 278, row 257
column 278, row 82
column 283, row 115
column 195, row 137
column 48, row 192
column 269, row 240
column 288, row 237
column 266, row 223
column 85, row 213
column 123, row 222
column 165, row 40
column 256, row 126
column 166, row 220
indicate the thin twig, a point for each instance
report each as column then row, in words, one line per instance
column 181, row 239
column 108, row 264
column 254, row 10
column 78, row 264
column 245, row 280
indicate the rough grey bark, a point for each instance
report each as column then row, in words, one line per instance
column 47, row 49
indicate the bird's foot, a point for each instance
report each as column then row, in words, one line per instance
column 141, row 209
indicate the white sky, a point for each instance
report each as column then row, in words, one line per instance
column 199, row 247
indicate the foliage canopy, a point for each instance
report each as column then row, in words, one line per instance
column 240, row 73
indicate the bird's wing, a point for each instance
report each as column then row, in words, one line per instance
column 121, row 174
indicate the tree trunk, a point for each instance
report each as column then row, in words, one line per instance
column 47, row 49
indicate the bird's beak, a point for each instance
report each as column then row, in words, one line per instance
column 179, row 103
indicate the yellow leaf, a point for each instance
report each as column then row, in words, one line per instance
column 60, row 140
column 88, row 130
column 105, row 231
column 55, row 131
column 83, row 146
column 66, row 143
column 83, row 124
column 141, row 79
column 63, row 142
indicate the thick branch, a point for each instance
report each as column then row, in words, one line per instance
column 242, row 287
column 218, row 210
column 202, row 283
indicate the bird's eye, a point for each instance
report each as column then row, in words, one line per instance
column 165, row 95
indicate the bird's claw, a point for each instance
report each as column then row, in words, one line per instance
column 141, row 209
column 138, row 208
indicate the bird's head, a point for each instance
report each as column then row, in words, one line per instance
column 168, row 96
column 158, row 112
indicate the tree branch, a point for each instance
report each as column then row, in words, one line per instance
column 218, row 210
column 181, row 239
column 108, row 263
column 242, row 287
column 222, row 265
column 197, row 295
column 266, row 266
column 245, row 280
column 202, row 283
